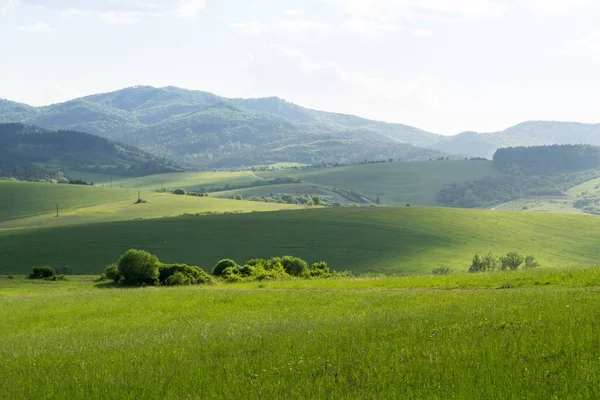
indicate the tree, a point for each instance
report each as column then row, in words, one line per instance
column 490, row 262
column 222, row 265
column 511, row 261
column 530, row 263
column 476, row 264
column 112, row 272
column 180, row 192
column 378, row 200
column 138, row 268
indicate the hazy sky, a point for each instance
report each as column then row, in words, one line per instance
column 441, row 65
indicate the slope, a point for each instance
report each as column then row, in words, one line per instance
column 381, row 240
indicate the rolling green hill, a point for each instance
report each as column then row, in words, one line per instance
column 26, row 204
column 30, row 152
column 398, row 183
column 381, row 240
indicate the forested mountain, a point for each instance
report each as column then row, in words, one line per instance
column 203, row 129
column 206, row 130
column 30, row 152
column 532, row 133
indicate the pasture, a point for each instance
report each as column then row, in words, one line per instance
column 350, row 338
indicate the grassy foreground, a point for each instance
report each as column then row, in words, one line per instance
column 332, row 340
column 379, row 240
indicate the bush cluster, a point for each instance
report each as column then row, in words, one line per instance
column 258, row 269
column 140, row 268
column 510, row 262
column 42, row 273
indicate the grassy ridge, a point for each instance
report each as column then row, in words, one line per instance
column 381, row 240
column 24, row 199
column 229, row 342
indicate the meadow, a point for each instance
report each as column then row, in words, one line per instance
column 403, row 240
column 415, row 183
column 362, row 338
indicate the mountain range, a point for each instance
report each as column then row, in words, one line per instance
column 201, row 129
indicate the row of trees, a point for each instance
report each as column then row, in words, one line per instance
column 140, row 268
column 510, row 262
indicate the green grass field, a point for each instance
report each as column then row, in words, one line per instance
column 386, row 240
column 415, row 183
column 350, row 339
column 24, row 199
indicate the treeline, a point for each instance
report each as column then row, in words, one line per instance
column 526, row 171
column 140, row 268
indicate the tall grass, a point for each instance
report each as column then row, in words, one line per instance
column 230, row 341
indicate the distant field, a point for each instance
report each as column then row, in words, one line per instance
column 187, row 180
column 399, row 183
column 342, row 339
column 379, row 240
column 23, row 199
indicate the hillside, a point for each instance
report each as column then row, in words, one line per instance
column 380, row 239
column 203, row 129
column 30, row 152
column 531, row 133
column 397, row 183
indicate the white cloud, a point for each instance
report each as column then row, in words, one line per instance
column 294, row 12
column 422, row 33
column 189, row 9
column 369, row 27
column 587, row 46
column 390, row 10
column 560, row 6
column 40, row 27
column 297, row 27
column 6, row 6
column 133, row 11
column 253, row 28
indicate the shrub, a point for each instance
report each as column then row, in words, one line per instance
column 227, row 272
column 441, row 271
column 275, row 271
column 319, row 270
column 294, row 266
column 42, row 273
column 178, row 279
column 530, row 263
column 139, row 268
column 247, row 270
column 490, row 262
column 222, row 265
column 511, row 261
column 11, row 277
column 195, row 274
column 112, row 272
column 181, row 192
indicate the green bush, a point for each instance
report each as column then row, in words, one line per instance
column 178, row 279
column 222, row 265
column 139, row 268
column 275, row 270
column 247, row 270
column 294, row 266
column 441, row 271
column 319, row 270
column 530, row 263
column 42, row 273
column 181, row 192
column 195, row 275
column 112, row 272
column 512, row 261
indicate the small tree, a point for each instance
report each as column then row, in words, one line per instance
column 512, row 261
column 222, row 265
column 319, row 270
column 530, row 263
column 178, row 279
column 490, row 262
column 139, row 268
column 476, row 264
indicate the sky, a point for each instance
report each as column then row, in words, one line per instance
column 445, row 66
